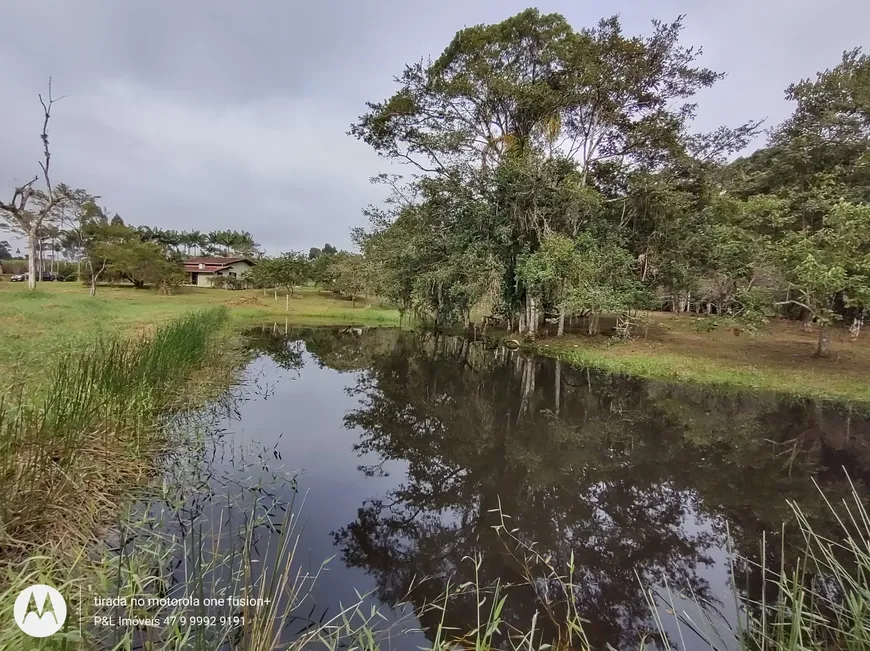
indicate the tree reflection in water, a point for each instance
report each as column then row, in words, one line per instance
column 640, row 482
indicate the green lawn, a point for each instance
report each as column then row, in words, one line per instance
column 56, row 316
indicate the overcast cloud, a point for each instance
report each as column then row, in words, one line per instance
column 215, row 114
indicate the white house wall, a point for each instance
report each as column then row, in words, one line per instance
column 240, row 269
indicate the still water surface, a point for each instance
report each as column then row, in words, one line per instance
column 409, row 449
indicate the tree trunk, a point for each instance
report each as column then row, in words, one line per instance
column 31, row 260
column 287, row 303
column 532, row 315
column 535, row 316
column 855, row 328
column 593, row 324
column 93, row 290
column 823, row 348
column 561, row 330
column 353, row 300
column 275, row 289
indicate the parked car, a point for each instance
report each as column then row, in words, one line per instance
column 20, row 278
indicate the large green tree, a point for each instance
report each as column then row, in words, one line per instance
column 528, row 127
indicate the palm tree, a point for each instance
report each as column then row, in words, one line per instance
column 224, row 239
column 197, row 240
column 245, row 244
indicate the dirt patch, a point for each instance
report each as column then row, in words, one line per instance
column 243, row 301
column 779, row 342
column 780, row 356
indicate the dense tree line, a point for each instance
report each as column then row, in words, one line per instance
column 555, row 171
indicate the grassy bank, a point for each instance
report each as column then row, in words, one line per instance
column 67, row 449
column 75, row 445
column 36, row 326
column 705, row 351
column 83, row 380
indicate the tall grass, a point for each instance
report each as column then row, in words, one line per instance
column 823, row 604
column 94, row 418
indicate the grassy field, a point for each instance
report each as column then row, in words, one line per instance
column 37, row 325
column 778, row 358
column 57, row 316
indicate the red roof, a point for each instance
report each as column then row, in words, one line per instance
column 210, row 265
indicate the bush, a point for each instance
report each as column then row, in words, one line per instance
column 227, row 282
column 13, row 267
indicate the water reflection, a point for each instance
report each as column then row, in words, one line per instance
column 638, row 482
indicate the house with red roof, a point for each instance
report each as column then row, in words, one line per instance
column 201, row 271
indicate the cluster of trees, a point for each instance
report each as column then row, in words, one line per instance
column 340, row 271
column 61, row 220
column 556, row 172
column 104, row 247
column 70, row 222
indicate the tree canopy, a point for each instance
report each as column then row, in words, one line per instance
column 556, row 171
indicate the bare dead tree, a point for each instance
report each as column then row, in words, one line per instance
column 30, row 207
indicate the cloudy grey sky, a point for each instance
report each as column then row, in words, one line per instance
column 195, row 114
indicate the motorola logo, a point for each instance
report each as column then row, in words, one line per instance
column 39, row 610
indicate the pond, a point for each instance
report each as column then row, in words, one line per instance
column 410, row 449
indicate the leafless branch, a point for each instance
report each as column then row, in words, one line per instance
column 19, row 198
column 794, row 302
column 46, row 109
